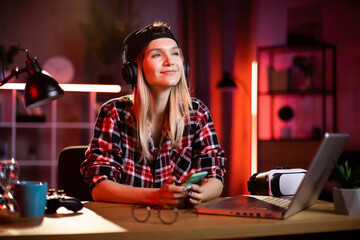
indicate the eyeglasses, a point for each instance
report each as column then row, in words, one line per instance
column 142, row 213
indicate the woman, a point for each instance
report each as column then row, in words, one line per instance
column 147, row 144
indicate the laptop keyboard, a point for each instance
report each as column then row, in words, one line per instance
column 280, row 202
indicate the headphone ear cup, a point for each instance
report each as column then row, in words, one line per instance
column 186, row 70
column 129, row 73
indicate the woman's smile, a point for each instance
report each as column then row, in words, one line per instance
column 168, row 72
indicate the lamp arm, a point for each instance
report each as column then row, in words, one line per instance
column 15, row 72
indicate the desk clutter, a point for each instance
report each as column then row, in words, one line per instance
column 28, row 199
column 102, row 220
column 9, row 208
column 276, row 182
column 59, row 199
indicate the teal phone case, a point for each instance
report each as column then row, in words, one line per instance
column 195, row 178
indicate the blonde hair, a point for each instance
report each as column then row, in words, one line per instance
column 175, row 117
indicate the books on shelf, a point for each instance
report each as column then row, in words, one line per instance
column 278, row 79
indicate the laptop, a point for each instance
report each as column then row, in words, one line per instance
column 307, row 194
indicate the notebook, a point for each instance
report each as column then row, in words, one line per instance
column 307, row 194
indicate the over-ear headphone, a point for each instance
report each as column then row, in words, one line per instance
column 129, row 72
column 135, row 43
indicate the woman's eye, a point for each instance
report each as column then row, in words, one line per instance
column 156, row 55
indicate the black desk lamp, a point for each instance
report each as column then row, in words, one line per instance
column 40, row 88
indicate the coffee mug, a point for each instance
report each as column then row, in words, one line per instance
column 31, row 197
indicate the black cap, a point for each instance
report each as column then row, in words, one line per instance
column 136, row 41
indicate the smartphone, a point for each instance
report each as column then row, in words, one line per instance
column 195, row 178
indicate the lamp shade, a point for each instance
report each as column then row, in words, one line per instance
column 41, row 89
column 226, row 82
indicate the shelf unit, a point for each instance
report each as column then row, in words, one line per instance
column 36, row 145
column 296, row 101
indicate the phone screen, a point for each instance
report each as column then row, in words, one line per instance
column 195, row 178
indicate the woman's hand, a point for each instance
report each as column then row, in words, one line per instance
column 170, row 195
column 196, row 193
column 206, row 190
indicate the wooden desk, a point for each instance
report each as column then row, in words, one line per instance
column 114, row 221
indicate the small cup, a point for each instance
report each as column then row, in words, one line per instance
column 31, row 197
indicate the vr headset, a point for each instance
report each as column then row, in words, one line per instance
column 276, row 182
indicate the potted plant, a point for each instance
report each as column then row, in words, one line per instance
column 347, row 196
column 7, row 56
column 105, row 33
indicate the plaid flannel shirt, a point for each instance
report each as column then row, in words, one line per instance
column 113, row 155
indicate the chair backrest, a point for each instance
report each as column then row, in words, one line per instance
column 69, row 176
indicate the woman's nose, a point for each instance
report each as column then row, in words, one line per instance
column 168, row 59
